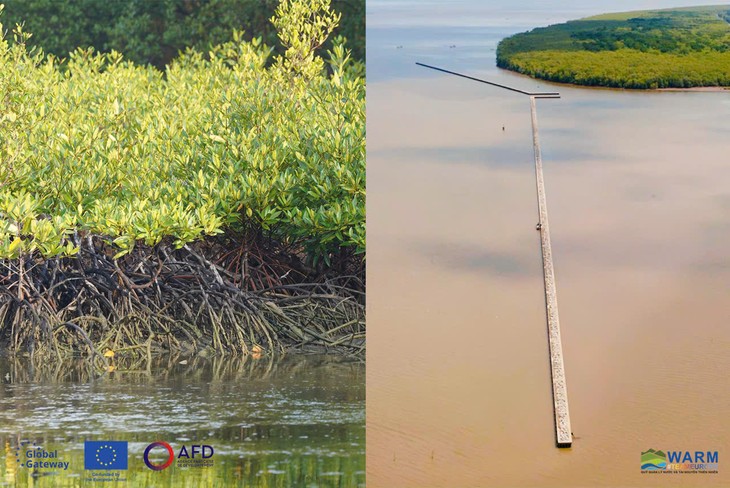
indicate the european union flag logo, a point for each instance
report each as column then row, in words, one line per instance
column 105, row 454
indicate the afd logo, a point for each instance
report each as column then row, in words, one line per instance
column 659, row 461
column 105, row 455
column 195, row 456
column 169, row 458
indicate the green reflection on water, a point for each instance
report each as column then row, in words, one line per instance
column 292, row 421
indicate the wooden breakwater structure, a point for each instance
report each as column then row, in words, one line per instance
column 563, row 433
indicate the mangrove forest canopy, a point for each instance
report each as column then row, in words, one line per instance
column 218, row 204
column 673, row 48
column 154, row 31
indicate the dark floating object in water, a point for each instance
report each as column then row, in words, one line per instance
column 538, row 226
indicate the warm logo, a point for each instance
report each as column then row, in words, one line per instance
column 668, row 462
column 653, row 460
column 105, row 455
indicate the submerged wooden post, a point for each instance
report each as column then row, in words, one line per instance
column 563, row 433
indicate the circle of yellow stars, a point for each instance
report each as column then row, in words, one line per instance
column 114, row 455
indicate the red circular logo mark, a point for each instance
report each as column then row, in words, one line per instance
column 167, row 463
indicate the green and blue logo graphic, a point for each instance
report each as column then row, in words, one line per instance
column 653, row 460
column 105, row 455
column 668, row 462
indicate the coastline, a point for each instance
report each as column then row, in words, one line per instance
column 657, row 50
column 706, row 89
column 695, row 89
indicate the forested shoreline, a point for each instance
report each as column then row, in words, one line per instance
column 677, row 48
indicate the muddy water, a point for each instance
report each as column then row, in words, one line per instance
column 638, row 189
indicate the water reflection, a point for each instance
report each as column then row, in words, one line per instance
column 272, row 422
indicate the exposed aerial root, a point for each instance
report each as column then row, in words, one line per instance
column 201, row 297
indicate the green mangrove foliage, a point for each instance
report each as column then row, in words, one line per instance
column 225, row 143
column 218, row 206
column 155, row 31
column 677, row 48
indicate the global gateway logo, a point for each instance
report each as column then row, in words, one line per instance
column 33, row 456
column 658, row 461
column 195, row 456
